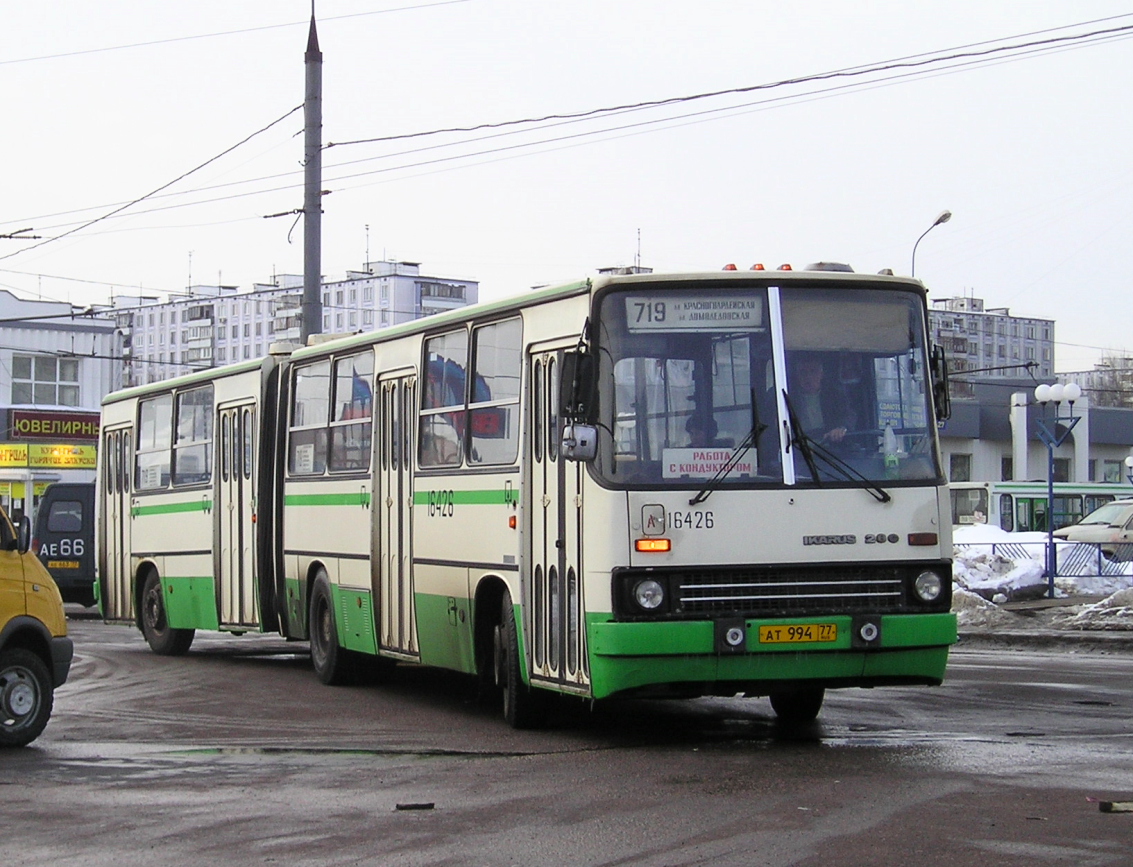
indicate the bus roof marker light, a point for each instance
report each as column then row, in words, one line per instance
column 758, row 266
column 731, row 266
column 652, row 546
column 785, row 267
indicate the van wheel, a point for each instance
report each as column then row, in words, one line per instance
column 331, row 662
column 162, row 639
column 26, row 697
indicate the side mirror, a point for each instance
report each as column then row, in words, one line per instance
column 941, row 398
column 578, row 388
column 580, row 442
column 23, row 535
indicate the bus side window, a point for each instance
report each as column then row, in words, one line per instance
column 155, row 428
column 493, row 412
column 1006, row 513
column 441, row 439
column 310, row 409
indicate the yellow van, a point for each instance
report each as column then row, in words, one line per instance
column 35, row 652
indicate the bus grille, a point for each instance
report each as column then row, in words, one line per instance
column 790, row 590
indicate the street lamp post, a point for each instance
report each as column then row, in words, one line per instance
column 1129, row 469
column 1052, row 438
column 942, row 217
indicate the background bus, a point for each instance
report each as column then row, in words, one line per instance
column 612, row 488
column 1022, row 506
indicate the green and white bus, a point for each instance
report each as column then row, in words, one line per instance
column 1020, row 507
column 640, row 485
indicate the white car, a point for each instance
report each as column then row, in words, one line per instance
column 1110, row 526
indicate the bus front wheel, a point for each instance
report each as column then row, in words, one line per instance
column 798, row 707
column 524, row 708
column 160, row 636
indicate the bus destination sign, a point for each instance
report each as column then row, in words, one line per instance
column 693, row 312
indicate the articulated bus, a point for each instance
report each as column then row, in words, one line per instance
column 641, row 485
column 1019, row 507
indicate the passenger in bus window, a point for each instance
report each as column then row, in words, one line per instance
column 820, row 412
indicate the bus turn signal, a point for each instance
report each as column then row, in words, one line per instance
column 652, row 546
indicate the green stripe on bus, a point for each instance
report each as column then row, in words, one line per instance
column 469, row 498
column 356, row 498
column 172, row 508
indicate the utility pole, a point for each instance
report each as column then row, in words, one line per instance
column 312, row 310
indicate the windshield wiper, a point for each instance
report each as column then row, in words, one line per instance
column 752, row 439
column 809, row 448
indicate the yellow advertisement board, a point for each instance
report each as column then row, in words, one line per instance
column 60, row 456
column 13, row 454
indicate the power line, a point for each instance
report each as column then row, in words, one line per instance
column 166, row 185
column 908, row 63
column 173, row 39
column 914, row 61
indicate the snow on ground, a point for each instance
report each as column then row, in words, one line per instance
column 1113, row 612
column 991, row 566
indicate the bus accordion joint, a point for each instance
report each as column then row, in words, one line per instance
column 923, row 539
column 652, row 546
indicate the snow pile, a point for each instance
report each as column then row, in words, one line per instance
column 1005, row 571
column 1115, row 613
column 1002, row 566
column 974, row 611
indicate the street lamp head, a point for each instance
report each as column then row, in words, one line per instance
column 1057, row 392
column 1042, row 393
column 943, row 217
column 1071, row 391
column 1129, row 461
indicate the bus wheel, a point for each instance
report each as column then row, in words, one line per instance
column 329, row 660
column 162, row 639
column 524, row 708
column 25, row 697
column 798, row 706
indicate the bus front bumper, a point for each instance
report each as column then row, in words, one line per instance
column 690, row 657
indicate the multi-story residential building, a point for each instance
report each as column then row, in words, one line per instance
column 209, row 326
column 990, row 343
column 56, row 363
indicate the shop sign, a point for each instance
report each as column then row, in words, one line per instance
column 13, row 454
column 30, row 424
column 58, row 456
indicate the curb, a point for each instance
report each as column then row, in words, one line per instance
column 1072, row 641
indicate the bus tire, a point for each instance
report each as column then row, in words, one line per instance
column 524, row 707
column 26, row 697
column 161, row 638
column 329, row 660
column 799, row 706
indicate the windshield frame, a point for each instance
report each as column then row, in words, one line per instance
column 609, row 332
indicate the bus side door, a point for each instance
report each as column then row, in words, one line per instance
column 114, row 525
column 555, row 625
column 234, row 567
column 392, row 570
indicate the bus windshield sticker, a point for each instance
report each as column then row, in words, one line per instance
column 693, row 312
column 702, row 463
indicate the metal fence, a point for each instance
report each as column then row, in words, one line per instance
column 1075, row 559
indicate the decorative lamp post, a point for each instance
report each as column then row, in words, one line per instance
column 1052, row 438
column 1129, row 469
column 942, row 217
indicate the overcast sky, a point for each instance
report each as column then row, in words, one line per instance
column 1030, row 149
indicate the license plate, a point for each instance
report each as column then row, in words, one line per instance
column 62, row 564
column 798, row 633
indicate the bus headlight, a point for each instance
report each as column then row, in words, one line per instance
column 648, row 594
column 928, row 586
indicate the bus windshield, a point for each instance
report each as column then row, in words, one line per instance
column 692, row 379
